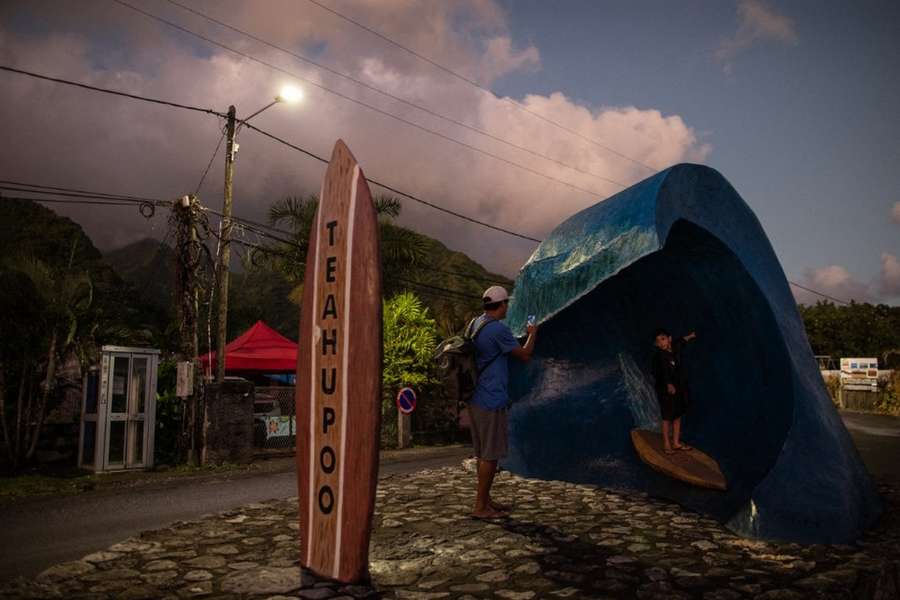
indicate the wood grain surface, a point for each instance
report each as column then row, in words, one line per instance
column 692, row 467
column 339, row 363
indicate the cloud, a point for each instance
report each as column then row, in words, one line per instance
column 756, row 23
column 890, row 276
column 835, row 281
column 895, row 213
column 70, row 137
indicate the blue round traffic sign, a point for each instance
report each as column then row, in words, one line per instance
column 406, row 401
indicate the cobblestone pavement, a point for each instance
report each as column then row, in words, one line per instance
column 563, row 541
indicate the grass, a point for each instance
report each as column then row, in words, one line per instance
column 21, row 486
column 69, row 482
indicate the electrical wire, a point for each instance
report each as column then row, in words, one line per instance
column 209, row 165
column 81, row 202
column 518, row 105
column 74, row 192
column 392, row 189
column 113, row 92
column 308, row 153
column 812, row 291
column 99, row 196
column 387, row 94
column 364, row 104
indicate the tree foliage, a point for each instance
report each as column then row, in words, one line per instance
column 410, row 338
column 58, row 302
column 853, row 330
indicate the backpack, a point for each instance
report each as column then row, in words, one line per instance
column 456, row 363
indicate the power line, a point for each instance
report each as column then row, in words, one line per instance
column 113, row 92
column 68, row 191
column 437, row 288
column 209, row 165
column 392, row 189
column 471, row 276
column 518, row 105
column 271, row 251
column 387, row 94
column 812, row 291
column 99, row 196
column 361, row 103
column 308, row 153
column 58, row 201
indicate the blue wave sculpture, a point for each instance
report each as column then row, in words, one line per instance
column 682, row 250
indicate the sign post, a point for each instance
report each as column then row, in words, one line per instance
column 339, row 362
column 406, row 404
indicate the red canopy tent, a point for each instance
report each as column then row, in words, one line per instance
column 260, row 349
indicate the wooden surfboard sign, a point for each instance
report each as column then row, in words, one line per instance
column 693, row 467
column 339, row 362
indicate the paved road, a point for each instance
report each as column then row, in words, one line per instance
column 45, row 531
column 878, row 440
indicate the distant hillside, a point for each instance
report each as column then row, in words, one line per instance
column 148, row 266
column 135, row 282
column 29, row 229
column 449, row 282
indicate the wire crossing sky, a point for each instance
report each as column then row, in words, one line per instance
column 515, row 114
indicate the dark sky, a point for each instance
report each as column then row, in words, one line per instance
column 795, row 103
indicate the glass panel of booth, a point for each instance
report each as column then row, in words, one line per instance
column 119, row 393
column 138, row 395
column 119, row 389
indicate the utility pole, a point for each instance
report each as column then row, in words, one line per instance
column 225, row 258
column 187, row 309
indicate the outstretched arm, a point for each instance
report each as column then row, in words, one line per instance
column 524, row 353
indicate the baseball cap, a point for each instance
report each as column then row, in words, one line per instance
column 493, row 294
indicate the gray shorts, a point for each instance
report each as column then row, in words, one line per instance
column 488, row 432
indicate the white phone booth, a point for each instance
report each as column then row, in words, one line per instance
column 118, row 412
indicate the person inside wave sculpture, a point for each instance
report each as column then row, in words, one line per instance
column 487, row 408
column 671, row 387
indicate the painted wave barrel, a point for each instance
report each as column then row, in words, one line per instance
column 339, row 363
column 682, row 250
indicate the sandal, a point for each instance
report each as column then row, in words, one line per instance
column 684, row 447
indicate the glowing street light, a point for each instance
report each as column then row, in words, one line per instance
column 289, row 94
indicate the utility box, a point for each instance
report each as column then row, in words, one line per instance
column 118, row 412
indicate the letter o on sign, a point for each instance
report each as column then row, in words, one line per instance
column 406, row 401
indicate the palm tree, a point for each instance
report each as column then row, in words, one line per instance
column 60, row 301
column 401, row 248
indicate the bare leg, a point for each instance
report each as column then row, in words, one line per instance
column 676, row 442
column 486, row 471
column 665, row 433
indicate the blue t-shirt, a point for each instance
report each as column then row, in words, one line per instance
column 494, row 340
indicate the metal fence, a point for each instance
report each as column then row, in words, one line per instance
column 274, row 419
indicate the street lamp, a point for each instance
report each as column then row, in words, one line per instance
column 289, row 94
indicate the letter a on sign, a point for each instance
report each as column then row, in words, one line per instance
column 339, row 376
